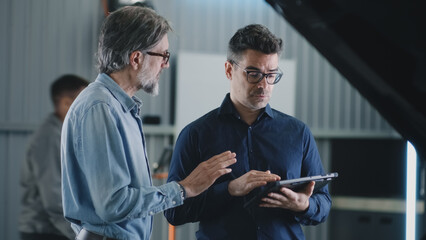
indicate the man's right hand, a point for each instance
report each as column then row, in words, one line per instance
column 206, row 173
column 249, row 181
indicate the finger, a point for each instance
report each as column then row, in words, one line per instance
column 262, row 174
column 277, row 196
column 265, row 205
column 277, row 176
column 215, row 175
column 269, row 174
column 229, row 162
column 257, row 172
column 263, row 177
column 219, row 166
column 226, row 159
column 222, row 165
column 287, row 192
column 253, row 185
column 310, row 188
column 226, row 156
column 272, row 201
column 205, row 169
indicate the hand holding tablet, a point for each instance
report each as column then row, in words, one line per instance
column 293, row 184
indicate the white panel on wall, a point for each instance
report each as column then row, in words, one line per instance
column 202, row 85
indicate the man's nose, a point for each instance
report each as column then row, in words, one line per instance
column 165, row 65
column 262, row 83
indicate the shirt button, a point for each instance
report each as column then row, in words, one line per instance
column 151, row 213
column 174, row 202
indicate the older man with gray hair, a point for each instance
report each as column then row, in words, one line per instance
column 107, row 188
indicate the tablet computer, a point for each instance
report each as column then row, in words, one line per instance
column 294, row 184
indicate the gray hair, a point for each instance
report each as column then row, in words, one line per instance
column 256, row 37
column 126, row 30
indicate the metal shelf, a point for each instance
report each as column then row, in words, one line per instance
column 353, row 134
column 31, row 127
column 158, row 129
column 387, row 205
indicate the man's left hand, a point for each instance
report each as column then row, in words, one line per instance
column 288, row 199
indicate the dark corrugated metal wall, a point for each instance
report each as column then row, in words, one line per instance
column 40, row 40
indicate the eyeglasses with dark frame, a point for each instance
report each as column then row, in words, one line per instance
column 256, row 76
column 166, row 55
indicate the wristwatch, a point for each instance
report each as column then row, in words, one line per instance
column 182, row 191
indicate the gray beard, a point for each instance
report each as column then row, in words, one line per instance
column 149, row 85
column 151, row 89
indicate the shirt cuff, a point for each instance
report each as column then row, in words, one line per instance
column 174, row 197
column 182, row 191
column 308, row 213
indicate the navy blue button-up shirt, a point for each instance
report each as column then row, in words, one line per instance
column 275, row 142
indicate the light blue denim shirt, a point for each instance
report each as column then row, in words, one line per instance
column 106, row 182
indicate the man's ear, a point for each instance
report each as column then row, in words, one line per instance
column 228, row 70
column 135, row 60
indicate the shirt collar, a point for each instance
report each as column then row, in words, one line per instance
column 228, row 107
column 128, row 103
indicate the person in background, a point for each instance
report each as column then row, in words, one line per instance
column 270, row 145
column 41, row 202
column 107, row 185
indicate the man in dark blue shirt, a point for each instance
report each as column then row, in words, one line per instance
column 269, row 146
